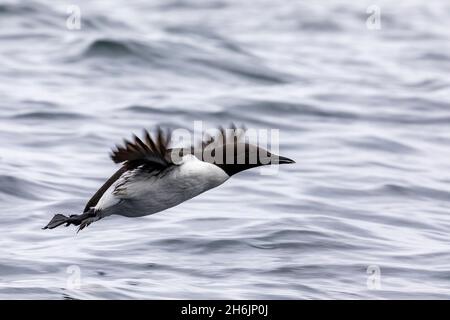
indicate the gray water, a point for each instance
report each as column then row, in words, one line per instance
column 364, row 213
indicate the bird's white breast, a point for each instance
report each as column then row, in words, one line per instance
column 139, row 193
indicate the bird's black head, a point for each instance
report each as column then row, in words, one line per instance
column 236, row 157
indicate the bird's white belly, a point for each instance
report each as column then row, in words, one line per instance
column 139, row 193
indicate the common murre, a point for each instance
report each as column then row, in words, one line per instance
column 154, row 177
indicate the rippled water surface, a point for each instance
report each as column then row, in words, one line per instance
column 365, row 113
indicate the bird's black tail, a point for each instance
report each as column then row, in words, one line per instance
column 57, row 220
column 82, row 220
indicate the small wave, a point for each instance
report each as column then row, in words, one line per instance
column 10, row 9
column 433, row 56
column 248, row 70
column 387, row 190
column 202, row 245
column 32, row 15
column 39, row 103
column 288, row 108
column 415, row 192
column 50, row 116
column 290, row 234
column 219, row 40
column 319, row 26
column 19, row 188
column 153, row 110
column 185, row 58
column 187, row 5
column 126, row 51
column 14, row 269
column 428, row 84
column 111, row 48
column 130, row 52
column 383, row 144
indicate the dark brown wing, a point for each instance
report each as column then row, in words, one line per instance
column 153, row 154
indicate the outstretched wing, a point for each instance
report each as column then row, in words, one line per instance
column 152, row 154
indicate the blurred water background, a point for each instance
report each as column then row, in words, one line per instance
column 364, row 109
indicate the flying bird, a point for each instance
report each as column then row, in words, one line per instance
column 154, row 177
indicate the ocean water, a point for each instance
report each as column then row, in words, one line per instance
column 364, row 109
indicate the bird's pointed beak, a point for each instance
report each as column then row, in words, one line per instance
column 284, row 160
